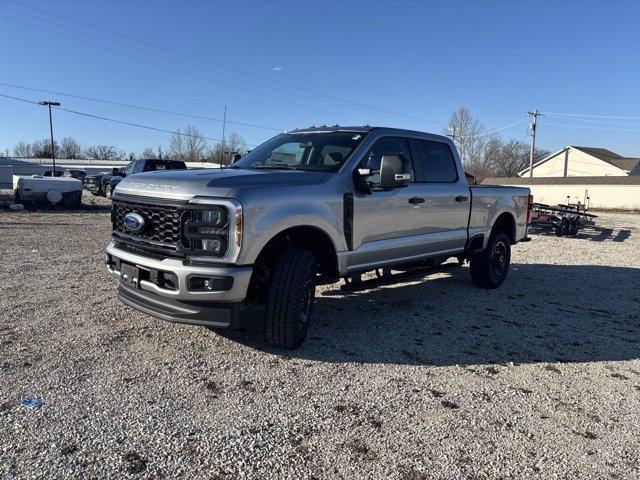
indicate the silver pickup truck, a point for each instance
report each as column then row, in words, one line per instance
column 308, row 207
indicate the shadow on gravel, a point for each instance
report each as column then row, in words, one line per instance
column 596, row 234
column 543, row 313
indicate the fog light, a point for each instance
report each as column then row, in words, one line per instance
column 210, row 284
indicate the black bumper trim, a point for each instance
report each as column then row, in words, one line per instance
column 218, row 315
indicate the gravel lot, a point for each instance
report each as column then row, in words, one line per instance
column 429, row 379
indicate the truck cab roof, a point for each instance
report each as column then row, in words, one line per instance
column 367, row 129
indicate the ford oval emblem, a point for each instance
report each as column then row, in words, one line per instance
column 133, row 222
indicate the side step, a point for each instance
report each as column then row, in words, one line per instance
column 354, row 283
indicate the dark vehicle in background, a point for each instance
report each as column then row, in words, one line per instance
column 109, row 182
column 93, row 183
column 51, row 173
column 76, row 173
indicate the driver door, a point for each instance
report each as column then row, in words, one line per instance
column 388, row 225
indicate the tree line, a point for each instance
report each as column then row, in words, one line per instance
column 483, row 153
column 188, row 146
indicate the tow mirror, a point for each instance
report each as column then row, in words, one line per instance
column 394, row 172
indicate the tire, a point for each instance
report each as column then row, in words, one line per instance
column 489, row 267
column 72, row 199
column 290, row 299
column 575, row 226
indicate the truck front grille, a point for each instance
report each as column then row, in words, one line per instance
column 162, row 230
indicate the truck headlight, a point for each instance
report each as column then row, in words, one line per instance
column 215, row 218
column 213, row 229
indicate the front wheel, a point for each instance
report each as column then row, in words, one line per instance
column 291, row 295
column 489, row 267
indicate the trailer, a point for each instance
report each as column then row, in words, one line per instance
column 53, row 190
column 563, row 219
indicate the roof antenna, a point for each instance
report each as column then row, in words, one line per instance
column 224, row 125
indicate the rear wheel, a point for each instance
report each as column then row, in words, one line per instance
column 575, row 226
column 489, row 267
column 290, row 299
column 72, row 199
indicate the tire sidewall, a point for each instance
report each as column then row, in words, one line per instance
column 498, row 240
column 301, row 328
column 292, row 287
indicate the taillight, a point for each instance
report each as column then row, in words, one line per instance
column 529, row 209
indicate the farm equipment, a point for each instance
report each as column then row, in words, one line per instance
column 564, row 219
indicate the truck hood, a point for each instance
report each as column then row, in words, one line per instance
column 212, row 182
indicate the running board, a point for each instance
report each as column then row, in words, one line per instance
column 354, row 283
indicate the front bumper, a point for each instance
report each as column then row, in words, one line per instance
column 216, row 308
column 92, row 187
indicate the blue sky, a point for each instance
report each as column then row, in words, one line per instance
column 404, row 64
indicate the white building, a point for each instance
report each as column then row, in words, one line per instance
column 575, row 161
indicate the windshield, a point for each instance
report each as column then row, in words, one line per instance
column 316, row 151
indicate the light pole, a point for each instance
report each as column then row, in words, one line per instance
column 53, row 148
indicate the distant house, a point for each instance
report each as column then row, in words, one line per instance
column 575, row 161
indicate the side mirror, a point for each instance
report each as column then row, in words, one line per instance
column 394, row 172
column 236, row 157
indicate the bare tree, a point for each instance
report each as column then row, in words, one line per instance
column 23, row 149
column 188, row 146
column 104, row 152
column 223, row 154
column 469, row 135
column 176, row 146
column 70, row 148
column 512, row 157
column 158, row 153
column 42, row 148
column 237, row 144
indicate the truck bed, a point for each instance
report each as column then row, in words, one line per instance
column 488, row 202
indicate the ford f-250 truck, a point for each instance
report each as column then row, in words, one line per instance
column 307, row 207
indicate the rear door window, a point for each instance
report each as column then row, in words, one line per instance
column 433, row 162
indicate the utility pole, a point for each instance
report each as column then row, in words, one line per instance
column 53, row 148
column 535, row 114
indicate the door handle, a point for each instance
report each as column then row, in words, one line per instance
column 416, row 200
column 461, row 198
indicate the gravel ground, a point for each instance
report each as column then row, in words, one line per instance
column 429, row 379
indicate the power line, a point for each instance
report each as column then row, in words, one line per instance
column 150, row 109
column 217, row 65
column 618, row 123
column 519, row 122
column 592, row 127
column 454, row 135
column 17, row 98
column 592, row 116
column 144, row 59
column 113, row 120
